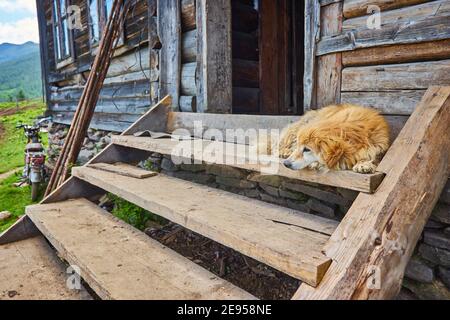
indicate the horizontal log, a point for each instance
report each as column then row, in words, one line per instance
column 245, row 17
column 132, row 62
column 409, row 76
column 245, row 73
column 415, row 52
column 140, row 75
column 245, row 46
column 188, row 104
column 189, row 46
column 188, row 15
column 188, row 81
column 108, row 106
column 355, row 8
column 399, row 102
column 427, row 10
column 134, row 89
column 426, row 30
column 246, row 100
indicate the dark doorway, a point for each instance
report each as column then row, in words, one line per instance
column 268, row 55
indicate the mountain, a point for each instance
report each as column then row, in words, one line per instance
column 20, row 69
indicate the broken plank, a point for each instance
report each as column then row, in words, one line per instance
column 124, row 169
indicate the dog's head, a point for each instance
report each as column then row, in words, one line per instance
column 315, row 146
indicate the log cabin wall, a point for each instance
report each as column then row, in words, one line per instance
column 387, row 67
column 128, row 88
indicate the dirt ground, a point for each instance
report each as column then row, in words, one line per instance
column 258, row 279
column 14, row 110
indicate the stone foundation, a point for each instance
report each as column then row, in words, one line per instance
column 428, row 273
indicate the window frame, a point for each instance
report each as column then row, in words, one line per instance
column 61, row 59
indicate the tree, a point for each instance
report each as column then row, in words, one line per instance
column 21, row 95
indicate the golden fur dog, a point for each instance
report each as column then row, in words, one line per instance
column 338, row 137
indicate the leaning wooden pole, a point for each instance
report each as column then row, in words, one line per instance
column 89, row 98
column 374, row 243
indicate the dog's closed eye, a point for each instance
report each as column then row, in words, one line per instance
column 307, row 150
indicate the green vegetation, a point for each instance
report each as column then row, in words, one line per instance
column 132, row 214
column 12, row 145
column 12, row 140
column 20, row 72
column 14, row 200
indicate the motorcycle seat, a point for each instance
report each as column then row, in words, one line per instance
column 34, row 147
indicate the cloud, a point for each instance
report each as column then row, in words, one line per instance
column 20, row 31
column 18, row 5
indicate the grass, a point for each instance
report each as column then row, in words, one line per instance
column 12, row 141
column 12, row 145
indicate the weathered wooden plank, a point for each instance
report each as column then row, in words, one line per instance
column 410, row 76
column 312, row 35
column 124, row 169
column 245, row 73
column 354, row 8
column 425, row 30
column 188, row 15
column 21, row 230
column 214, row 74
column 131, row 62
column 237, row 156
column 435, row 50
column 123, row 106
column 329, row 67
column 291, row 246
column 188, row 104
column 373, row 244
column 429, row 10
column 189, row 46
column 188, row 82
column 147, row 269
column 398, row 102
column 246, row 100
column 32, row 270
column 169, row 30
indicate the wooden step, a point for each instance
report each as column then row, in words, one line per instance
column 120, row 262
column 285, row 239
column 30, row 270
column 201, row 150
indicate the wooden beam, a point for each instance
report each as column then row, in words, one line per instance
column 435, row 50
column 23, row 229
column 329, row 67
column 214, row 59
column 373, row 244
column 312, row 36
column 355, row 8
column 169, row 30
column 425, row 30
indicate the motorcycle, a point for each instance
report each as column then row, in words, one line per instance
column 34, row 172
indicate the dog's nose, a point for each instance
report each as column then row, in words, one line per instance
column 287, row 163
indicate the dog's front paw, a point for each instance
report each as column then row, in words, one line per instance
column 315, row 166
column 365, row 167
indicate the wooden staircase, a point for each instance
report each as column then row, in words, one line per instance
column 119, row 262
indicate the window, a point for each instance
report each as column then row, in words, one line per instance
column 99, row 11
column 61, row 32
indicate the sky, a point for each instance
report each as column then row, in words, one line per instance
column 18, row 21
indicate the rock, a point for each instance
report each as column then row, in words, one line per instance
column 273, row 181
column 445, row 196
column 89, row 146
column 270, row 190
column 435, row 255
column 419, row 271
column 406, row 295
column 299, row 206
column 437, row 239
column 447, row 231
column 428, row 291
column 235, row 183
column 275, row 200
column 293, row 195
column 85, row 155
column 317, row 193
column 5, row 215
column 225, row 171
column 251, row 193
column 321, row 208
column 444, row 274
column 441, row 213
column 168, row 165
column 194, row 177
column 193, row 167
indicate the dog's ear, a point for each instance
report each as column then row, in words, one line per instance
column 331, row 150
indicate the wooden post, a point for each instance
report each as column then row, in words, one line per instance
column 373, row 244
column 169, row 30
column 214, row 74
column 329, row 67
column 312, row 35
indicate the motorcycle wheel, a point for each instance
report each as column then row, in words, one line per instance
column 34, row 191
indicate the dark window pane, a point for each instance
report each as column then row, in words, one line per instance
column 94, row 21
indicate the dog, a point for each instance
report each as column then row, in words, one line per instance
column 338, row 137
